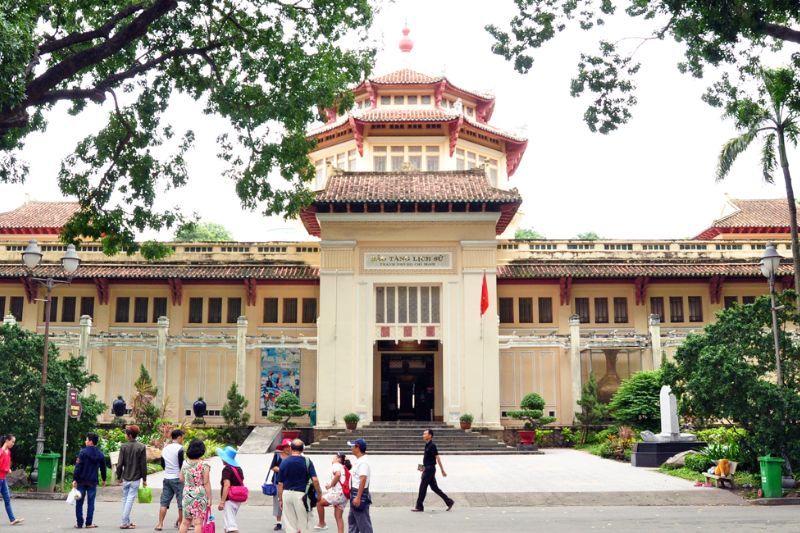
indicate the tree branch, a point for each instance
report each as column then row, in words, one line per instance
column 783, row 33
column 54, row 45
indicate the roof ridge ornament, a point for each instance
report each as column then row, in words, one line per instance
column 406, row 44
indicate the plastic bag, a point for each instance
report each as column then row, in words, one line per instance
column 145, row 495
column 73, row 496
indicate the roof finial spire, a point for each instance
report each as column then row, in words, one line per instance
column 406, row 44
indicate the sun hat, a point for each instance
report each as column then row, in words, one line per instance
column 228, row 455
column 285, row 443
column 361, row 443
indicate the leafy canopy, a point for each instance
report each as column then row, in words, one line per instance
column 21, row 375
column 233, row 412
column 528, row 233
column 531, row 411
column 287, row 406
column 587, row 236
column 203, row 232
column 636, row 403
column 727, row 375
column 712, row 33
column 263, row 65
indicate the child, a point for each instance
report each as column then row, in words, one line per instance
column 196, row 487
column 335, row 496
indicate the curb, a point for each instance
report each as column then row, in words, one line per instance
column 775, row 501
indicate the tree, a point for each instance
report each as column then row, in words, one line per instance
column 636, row 403
column 774, row 117
column 203, row 232
column 21, row 376
column 531, row 410
column 528, row 233
column 287, row 406
column 265, row 66
column 234, row 409
column 727, row 375
column 587, row 236
column 144, row 411
column 593, row 412
column 712, row 33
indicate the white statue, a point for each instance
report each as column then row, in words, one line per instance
column 670, row 429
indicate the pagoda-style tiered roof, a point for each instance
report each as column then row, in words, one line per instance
column 37, row 218
column 747, row 217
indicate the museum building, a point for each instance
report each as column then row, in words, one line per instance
column 382, row 313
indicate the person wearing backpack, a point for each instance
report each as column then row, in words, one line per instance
column 338, row 492
column 298, row 481
column 233, row 492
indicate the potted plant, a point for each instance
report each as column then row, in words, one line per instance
column 351, row 421
column 531, row 411
column 287, row 406
column 199, row 408
column 466, row 421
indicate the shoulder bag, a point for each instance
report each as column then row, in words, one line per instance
column 238, row 493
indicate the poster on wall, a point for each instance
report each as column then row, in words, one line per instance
column 280, row 371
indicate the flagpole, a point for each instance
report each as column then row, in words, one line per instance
column 483, row 350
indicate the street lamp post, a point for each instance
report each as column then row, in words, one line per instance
column 31, row 257
column 770, row 261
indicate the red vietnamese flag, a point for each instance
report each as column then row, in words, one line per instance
column 484, row 296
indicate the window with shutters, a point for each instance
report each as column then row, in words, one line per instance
column 270, row 310
column 309, row 310
column 53, row 309
column 68, row 309
column 731, row 301
column 290, row 310
column 525, row 310
column 657, row 307
column 195, row 310
column 87, row 306
column 159, row 308
column 601, row 310
column 506, row 309
column 746, row 300
column 545, row 310
column 620, row 310
column 140, row 307
column 407, row 305
column 123, row 310
column 2, row 306
column 16, row 306
column 215, row 310
column 676, row 309
column 234, row 310
column 582, row 310
column 695, row 308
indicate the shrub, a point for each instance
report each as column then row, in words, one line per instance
column 530, row 411
column 351, row 418
column 636, row 403
column 697, row 462
column 287, row 406
column 603, row 436
column 466, row 418
column 234, row 409
column 568, row 436
column 593, row 411
column 619, row 446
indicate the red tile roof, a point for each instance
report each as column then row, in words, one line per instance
column 166, row 271
column 388, row 114
column 406, row 76
column 415, row 186
column 757, row 213
column 35, row 215
column 627, row 269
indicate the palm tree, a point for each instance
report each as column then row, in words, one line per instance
column 774, row 117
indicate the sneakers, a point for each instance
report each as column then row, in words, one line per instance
column 451, row 504
column 321, row 528
column 278, row 527
column 415, row 510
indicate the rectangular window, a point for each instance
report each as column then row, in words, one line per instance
column 87, row 306
column 402, row 301
column 601, row 310
column 68, row 309
column 545, row 310
column 620, row 310
column 425, row 307
column 53, row 309
column 399, row 100
column 460, row 159
column 16, row 306
column 270, row 310
column 380, row 305
column 159, row 308
column 695, row 308
column 140, row 306
column 412, row 100
column 746, row 300
column 582, row 309
column 379, row 158
column 506, row 310
column 398, row 155
column 2, row 306
column 123, row 310
column 386, row 100
column 435, row 305
column 195, row 310
column 676, row 309
column 309, row 310
column 657, row 307
column 432, row 158
column 526, row 310
column 390, row 291
column 215, row 310
column 731, row 301
column 234, row 310
column 425, row 99
column 290, row 310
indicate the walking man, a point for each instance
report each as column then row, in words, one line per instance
column 131, row 469
column 172, row 461
column 359, row 521
column 429, row 461
column 84, row 478
column 295, row 472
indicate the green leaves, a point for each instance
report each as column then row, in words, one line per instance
column 203, row 232
column 731, row 150
column 636, row 402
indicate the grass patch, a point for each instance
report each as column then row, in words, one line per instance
column 683, row 473
column 593, row 448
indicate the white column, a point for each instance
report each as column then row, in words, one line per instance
column 575, row 358
column 452, row 320
column 656, row 350
column 83, row 343
column 9, row 320
column 241, row 352
column 161, row 359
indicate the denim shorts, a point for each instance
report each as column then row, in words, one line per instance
column 172, row 487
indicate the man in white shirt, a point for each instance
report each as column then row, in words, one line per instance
column 171, row 460
column 359, row 521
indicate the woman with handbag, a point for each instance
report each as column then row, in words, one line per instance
column 233, row 492
column 281, row 453
column 196, row 488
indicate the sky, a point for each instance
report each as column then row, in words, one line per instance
column 653, row 178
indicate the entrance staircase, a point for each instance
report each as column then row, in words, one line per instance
column 405, row 438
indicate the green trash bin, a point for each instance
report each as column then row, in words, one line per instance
column 48, row 468
column 771, row 472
